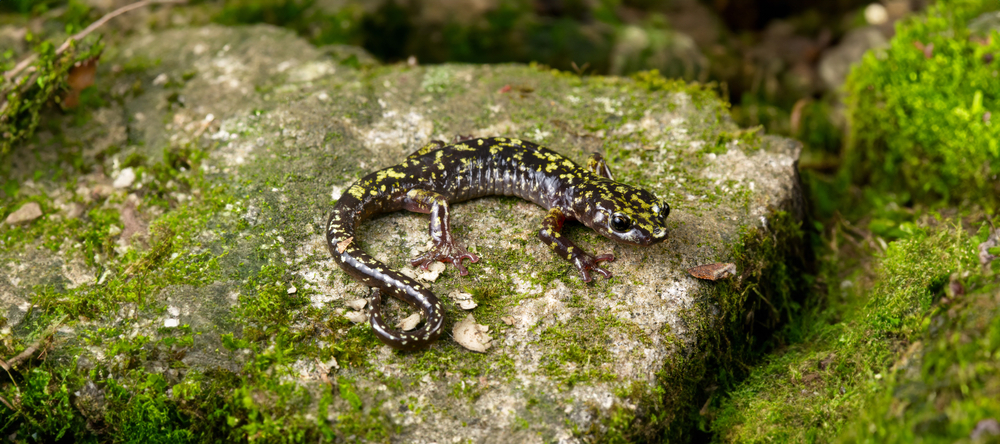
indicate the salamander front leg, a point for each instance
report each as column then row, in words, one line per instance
column 445, row 248
column 552, row 236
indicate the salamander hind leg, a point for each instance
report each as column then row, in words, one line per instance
column 445, row 248
column 599, row 166
column 564, row 248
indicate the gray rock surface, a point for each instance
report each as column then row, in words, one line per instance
column 836, row 62
column 285, row 130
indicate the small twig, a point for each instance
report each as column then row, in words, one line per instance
column 6, row 403
column 27, row 352
column 80, row 35
column 24, row 355
column 4, row 365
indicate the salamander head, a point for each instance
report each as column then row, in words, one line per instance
column 625, row 213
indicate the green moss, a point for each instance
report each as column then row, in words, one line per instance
column 949, row 380
column 24, row 97
column 815, row 389
column 579, row 351
column 921, row 110
column 653, row 81
column 265, row 305
column 42, row 406
column 143, row 413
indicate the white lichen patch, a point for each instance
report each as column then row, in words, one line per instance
column 464, row 300
column 398, row 129
column 310, row 71
column 356, row 317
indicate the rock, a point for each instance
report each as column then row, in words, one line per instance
column 124, row 178
column 27, row 213
column 992, row 241
column 988, row 427
column 672, row 53
column 568, row 358
column 876, row 14
column 988, row 21
column 836, row 62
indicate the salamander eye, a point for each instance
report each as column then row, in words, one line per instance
column 620, row 222
column 664, row 212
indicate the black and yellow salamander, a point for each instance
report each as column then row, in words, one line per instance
column 438, row 174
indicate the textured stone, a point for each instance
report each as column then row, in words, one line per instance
column 283, row 125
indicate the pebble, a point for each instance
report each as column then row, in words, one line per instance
column 27, row 213
column 125, row 178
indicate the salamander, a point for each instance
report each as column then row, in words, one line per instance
column 438, row 174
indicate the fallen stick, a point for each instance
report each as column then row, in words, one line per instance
column 80, row 35
column 24, row 355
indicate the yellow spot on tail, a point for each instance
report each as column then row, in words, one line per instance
column 356, row 191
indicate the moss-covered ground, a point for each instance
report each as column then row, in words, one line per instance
column 876, row 360
column 898, row 339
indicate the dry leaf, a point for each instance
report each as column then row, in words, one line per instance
column 342, row 245
column 471, row 335
column 713, row 272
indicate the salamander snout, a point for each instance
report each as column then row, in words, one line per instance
column 659, row 233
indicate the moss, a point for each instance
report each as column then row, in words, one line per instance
column 920, row 111
column 265, row 304
column 42, row 408
column 653, row 81
column 819, row 387
column 948, row 380
column 579, row 351
column 27, row 94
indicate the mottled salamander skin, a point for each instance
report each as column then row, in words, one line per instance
column 438, row 174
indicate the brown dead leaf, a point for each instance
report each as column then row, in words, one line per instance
column 713, row 272
column 80, row 76
column 342, row 245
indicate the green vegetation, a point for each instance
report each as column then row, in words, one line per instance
column 28, row 89
column 846, row 371
column 898, row 339
column 921, row 111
